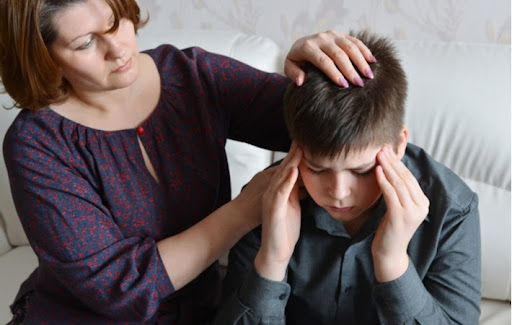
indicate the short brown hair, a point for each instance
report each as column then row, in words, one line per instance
column 326, row 119
column 27, row 71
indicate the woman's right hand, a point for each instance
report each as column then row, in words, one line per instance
column 281, row 218
column 335, row 53
column 249, row 201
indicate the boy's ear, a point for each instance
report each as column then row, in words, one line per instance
column 402, row 141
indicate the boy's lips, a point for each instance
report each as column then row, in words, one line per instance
column 342, row 209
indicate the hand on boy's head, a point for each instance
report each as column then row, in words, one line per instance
column 407, row 207
column 334, row 53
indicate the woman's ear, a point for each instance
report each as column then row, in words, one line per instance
column 402, row 141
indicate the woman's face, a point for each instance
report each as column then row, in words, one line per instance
column 91, row 59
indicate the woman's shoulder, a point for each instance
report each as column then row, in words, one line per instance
column 29, row 126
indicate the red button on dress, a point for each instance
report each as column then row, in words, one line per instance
column 140, row 130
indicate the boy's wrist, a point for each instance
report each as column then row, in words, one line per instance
column 387, row 269
column 269, row 269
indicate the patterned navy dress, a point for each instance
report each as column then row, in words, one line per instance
column 93, row 213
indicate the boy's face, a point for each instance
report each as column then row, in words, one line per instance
column 346, row 187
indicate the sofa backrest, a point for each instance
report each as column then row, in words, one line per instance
column 458, row 110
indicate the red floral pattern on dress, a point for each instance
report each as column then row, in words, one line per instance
column 93, row 213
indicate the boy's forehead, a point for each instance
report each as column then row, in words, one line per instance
column 354, row 159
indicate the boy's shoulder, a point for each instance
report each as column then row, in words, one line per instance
column 443, row 187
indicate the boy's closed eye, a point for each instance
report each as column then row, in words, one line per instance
column 364, row 173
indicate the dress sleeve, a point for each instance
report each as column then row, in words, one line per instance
column 248, row 298
column 246, row 102
column 74, row 235
column 450, row 291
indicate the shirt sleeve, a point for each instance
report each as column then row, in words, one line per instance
column 450, row 291
column 74, row 235
column 247, row 297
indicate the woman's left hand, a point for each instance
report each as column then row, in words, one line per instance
column 333, row 52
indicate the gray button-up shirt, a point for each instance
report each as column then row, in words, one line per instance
column 330, row 277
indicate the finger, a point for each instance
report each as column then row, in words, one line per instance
column 293, row 71
column 387, row 189
column 413, row 187
column 292, row 158
column 348, row 56
column 291, row 161
column 398, row 184
column 312, row 50
column 289, row 182
column 361, row 57
column 367, row 53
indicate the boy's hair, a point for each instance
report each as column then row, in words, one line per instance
column 326, row 119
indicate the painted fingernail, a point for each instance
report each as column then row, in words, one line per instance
column 358, row 81
column 343, row 82
column 372, row 58
column 369, row 73
column 298, row 81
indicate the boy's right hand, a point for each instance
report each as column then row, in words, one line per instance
column 281, row 219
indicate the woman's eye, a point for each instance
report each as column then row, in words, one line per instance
column 86, row 45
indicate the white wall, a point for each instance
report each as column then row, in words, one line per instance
column 286, row 20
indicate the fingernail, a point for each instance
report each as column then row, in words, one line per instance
column 298, row 81
column 372, row 58
column 369, row 73
column 358, row 81
column 343, row 82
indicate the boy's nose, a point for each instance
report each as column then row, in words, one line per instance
column 339, row 187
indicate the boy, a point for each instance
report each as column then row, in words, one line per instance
column 385, row 235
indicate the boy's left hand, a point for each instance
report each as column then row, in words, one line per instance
column 407, row 207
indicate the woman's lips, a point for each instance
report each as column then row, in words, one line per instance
column 124, row 67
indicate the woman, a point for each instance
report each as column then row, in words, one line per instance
column 117, row 161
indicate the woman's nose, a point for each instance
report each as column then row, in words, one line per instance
column 114, row 49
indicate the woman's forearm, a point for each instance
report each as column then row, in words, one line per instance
column 189, row 253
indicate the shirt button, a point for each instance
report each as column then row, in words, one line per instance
column 140, row 130
column 282, row 296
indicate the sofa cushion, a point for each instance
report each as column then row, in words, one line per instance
column 16, row 266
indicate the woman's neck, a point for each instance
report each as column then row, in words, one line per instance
column 117, row 109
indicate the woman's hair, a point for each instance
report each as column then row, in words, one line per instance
column 27, row 71
column 326, row 119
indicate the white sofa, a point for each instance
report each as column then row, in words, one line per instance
column 458, row 110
